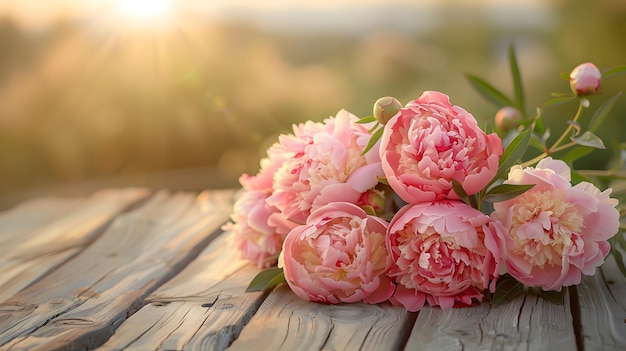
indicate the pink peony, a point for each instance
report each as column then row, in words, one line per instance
column 259, row 229
column 431, row 142
column 338, row 256
column 256, row 240
column 585, row 79
column 439, row 254
column 324, row 165
column 555, row 231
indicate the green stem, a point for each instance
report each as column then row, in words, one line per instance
column 569, row 127
column 534, row 160
column 557, row 144
column 563, row 147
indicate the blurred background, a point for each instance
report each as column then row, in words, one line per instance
column 188, row 94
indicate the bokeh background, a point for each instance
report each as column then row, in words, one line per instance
column 190, row 93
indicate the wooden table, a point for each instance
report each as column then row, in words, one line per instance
column 141, row 270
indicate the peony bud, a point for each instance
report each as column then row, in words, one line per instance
column 373, row 199
column 385, row 108
column 508, row 118
column 585, row 79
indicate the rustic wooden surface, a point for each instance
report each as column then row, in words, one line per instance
column 139, row 270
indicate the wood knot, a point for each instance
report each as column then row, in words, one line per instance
column 225, row 306
column 16, row 307
column 74, row 322
column 86, row 292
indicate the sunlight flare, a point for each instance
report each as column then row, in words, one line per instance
column 144, row 9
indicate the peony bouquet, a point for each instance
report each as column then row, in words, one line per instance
column 418, row 205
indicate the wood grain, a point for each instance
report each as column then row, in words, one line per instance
column 80, row 304
column 38, row 236
column 602, row 300
column 527, row 322
column 286, row 322
column 202, row 308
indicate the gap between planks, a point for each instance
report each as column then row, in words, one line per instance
column 78, row 314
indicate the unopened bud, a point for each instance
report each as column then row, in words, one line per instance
column 585, row 79
column 508, row 118
column 374, row 200
column 385, row 108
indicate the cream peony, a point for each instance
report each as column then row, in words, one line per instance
column 555, row 231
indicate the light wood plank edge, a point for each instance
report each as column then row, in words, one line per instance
column 602, row 301
column 204, row 307
column 88, row 338
column 37, row 264
column 184, row 325
column 526, row 322
column 286, row 322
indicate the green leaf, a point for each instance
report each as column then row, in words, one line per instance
column 458, row 189
column 267, row 279
column 375, row 137
column 489, row 92
column 488, row 127
column 602, row 112
column 517, row 81
column 558, row 101
column 575, row 154
column 383, row 180
column 369, row 209
column 397, row 201
column 539, row 125
column 504, row 192
column 507, row 289
column 576, row 126
column 556, row 297
column 589, row 139
column 513, row 152
column 613, row 71
column 534, row 141
column 368, row 119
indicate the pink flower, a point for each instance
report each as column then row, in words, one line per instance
column 338, row 256
column 258, row 228
column 585, row 79
column 254, row 237
column 324, row 165
column 439, row 254
column 431, row 142
column 555, row 231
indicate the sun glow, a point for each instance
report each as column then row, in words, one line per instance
column 144, row 9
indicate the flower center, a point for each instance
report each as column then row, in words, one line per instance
column 545, row 227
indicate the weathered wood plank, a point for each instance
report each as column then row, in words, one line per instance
column 80, row 304
column 40, row 235
column 527, row 322
column 602, row 300
column 204, row 307
column 286, row 322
